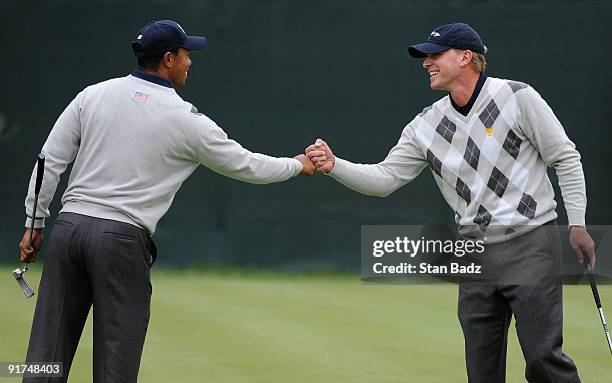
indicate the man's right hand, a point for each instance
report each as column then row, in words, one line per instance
column 321, row 155
column 308, row 167
column 27, row 253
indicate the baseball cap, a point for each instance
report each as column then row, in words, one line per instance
column 159, row 37
column 444, row 37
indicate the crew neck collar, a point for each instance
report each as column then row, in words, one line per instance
column 152, row 78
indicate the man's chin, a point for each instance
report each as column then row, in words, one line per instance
column 435, row 86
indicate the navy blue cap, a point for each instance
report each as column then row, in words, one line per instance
column 444, row 37
column 159, row 37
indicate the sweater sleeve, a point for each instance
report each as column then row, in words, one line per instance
column 546, row 133
column 403, row 164
column 60, row 149
column 212, row 148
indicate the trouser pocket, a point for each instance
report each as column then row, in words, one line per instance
column 151, row 250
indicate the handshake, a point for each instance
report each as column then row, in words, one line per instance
column 317, row 157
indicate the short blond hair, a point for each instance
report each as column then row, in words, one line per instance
column 479, row 61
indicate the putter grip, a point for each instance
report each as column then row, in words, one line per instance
column 594, row 289
column 40, row 172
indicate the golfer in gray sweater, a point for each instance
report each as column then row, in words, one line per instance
column 132, row 141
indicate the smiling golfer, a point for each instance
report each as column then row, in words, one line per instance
column 488, row 144
column 132, row 142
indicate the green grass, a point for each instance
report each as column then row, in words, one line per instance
column 266, row 327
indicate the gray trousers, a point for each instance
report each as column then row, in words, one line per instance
column 485, row 312
column 101, row 262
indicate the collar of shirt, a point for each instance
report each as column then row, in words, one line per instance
column 152, row 78
column 464, row 110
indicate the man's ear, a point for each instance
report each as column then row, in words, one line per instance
column 168, row 60
column 466, row 58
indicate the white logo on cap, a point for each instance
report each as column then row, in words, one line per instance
column 139, row 37
column 178, row 25
column 435, row 34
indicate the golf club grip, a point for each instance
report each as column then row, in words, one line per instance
column 594, row 289
column 40, row 172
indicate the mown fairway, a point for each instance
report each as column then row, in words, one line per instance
column 265, row 327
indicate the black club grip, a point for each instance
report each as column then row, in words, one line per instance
column 594, row 288
column 40, row 172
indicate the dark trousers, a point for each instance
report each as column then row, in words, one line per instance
column 485, row 312
column 101, row 262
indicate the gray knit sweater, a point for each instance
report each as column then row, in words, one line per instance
column 489, row 165
column 133, row 143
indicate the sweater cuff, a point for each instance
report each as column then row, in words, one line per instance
column 298, row 168
column 576, row 218
column 339, row 166
column 38, row 224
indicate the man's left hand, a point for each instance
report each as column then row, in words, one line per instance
column 581, row 242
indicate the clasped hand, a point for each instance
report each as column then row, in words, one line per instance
column 317, row 156
column 321, row 156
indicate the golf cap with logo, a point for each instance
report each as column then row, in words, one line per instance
column 159, row 37
column 445, row 37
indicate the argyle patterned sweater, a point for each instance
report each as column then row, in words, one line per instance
column 490, row 165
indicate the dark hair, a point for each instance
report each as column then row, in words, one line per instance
column 152, row 62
